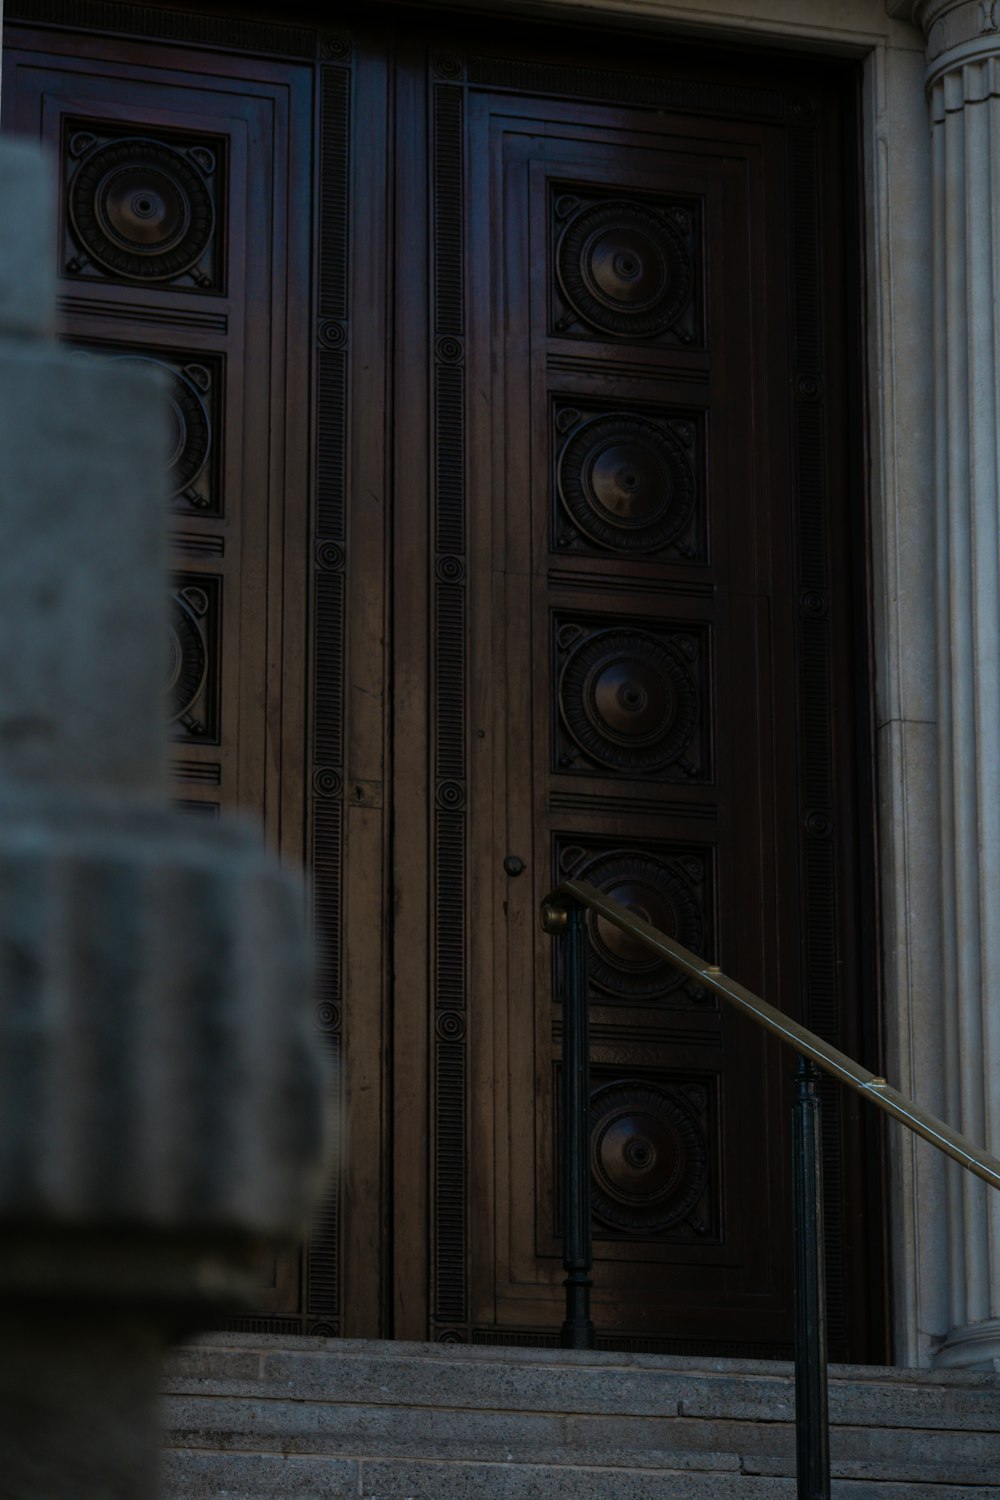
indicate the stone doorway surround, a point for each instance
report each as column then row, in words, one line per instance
column 931, row 274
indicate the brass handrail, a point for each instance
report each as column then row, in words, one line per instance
column 869, row 1085
column 563, row 915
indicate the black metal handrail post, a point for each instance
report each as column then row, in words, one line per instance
column 812, row 1422
column 578, row 1255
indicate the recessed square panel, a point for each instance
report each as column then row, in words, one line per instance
column 626, row 267
column 193, row 663
column 142, row 207
column 629, row 481
column 631, row 699
column 194, row 383
column 654, row 1156
column 668, row 885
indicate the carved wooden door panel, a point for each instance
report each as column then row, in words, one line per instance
column 639, row 662
column 634, row 584
column 190, row 163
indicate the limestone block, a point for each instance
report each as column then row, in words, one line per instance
column 324, row 1427
column 27, row 251
column 83, row 657
column 391, row 1377
column 157, row 1069
column 407, row 1479
column 252, row 1476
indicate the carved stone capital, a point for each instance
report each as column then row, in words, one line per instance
column 959, row 33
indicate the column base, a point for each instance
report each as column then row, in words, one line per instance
column 976, row 1346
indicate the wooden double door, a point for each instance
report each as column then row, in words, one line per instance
column 517, row 518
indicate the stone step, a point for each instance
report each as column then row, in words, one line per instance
column 246, row 1416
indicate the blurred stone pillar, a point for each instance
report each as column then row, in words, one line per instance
column 963, row 81
column 160, row 1092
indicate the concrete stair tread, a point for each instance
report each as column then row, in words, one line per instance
column 423, row 1422
column 192, row 1476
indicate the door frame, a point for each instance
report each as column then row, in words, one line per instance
column 895, row 369
column 414, row 842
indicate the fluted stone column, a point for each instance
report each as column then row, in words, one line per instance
column 160, row 1088
column 963, row 81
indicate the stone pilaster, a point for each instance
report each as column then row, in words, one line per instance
column 963, row 81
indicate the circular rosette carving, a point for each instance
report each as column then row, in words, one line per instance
column 189, row 438
column 660, row 894
column 450, row 1026
column 649, row 1161
column 628, row 700
column 626, row 483
column 141, row 209
column 624, row 269
column 327, row 1016
column 187, row 658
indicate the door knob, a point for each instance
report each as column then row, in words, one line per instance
column 513, row 865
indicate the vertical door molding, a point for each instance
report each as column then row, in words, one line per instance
column 325, row 784
column 449, row 1082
